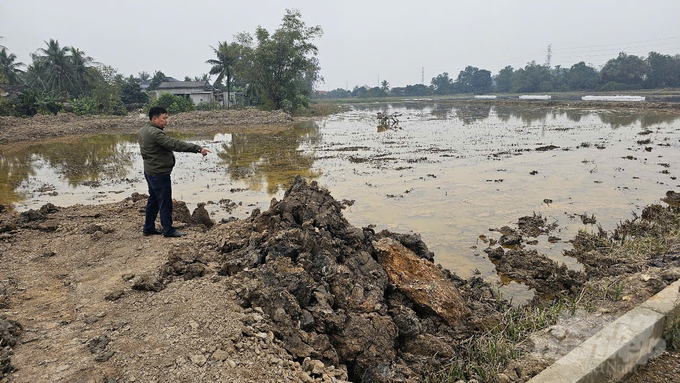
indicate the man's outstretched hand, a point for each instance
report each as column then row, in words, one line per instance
column 205, row 151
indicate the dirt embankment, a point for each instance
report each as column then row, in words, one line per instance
column 40, row 127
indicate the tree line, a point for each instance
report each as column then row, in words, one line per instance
column 272, row 70
column 624, row 72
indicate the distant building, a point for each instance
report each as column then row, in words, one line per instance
column 197, row 91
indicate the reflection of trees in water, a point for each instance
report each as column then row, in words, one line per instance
column 89, row 158
column 15, row 168
column 441, row 111
column 471, row 113
column 527, row 115
column 270, row 158
column 645, row 120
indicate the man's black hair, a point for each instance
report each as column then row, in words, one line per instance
column 156, row 111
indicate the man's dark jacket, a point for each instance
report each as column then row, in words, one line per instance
column 157, row 148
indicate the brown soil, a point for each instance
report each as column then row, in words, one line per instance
column 40, row 127
column 663, row 369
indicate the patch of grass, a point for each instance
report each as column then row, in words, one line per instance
column 320, row 109
column 671, row 334
column 485, row 355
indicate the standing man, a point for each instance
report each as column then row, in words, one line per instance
column 157, row 151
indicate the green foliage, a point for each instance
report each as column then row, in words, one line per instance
column 626, row 69
column 9, row 70
column 85, row 106
column 131, row 93
column 157, row 79
column 442, row 84
column 284, row 64
column 613, row 87
column 31, row 102
column 504, row 79
column 174, row 103
column 213, row 105
column 582, row 77
column 473, row 80
column 418, row 90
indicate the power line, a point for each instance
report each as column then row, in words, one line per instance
column 626, row 43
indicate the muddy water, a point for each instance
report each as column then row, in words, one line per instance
column 449, row 173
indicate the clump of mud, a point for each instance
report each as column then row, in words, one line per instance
column 9, row 332
column 374, row 303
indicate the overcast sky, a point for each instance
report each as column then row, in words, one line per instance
column 362, row 40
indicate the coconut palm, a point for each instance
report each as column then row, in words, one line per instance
column 55, row 68
column 227, row 57
column 10, row 68
column 144, row 76
column 80, row 63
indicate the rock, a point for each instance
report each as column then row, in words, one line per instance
column 48, row 208
column 502, row 378
column 104, row 356
column 304, row 377
column 91, row 229
column 30, row 216
column 420, row 281
column 114, row 295
column 98, row 344
column 511, row 239
column 180, row 212
column 219, row 355
column 231, row 363
column 558, row 332
column 198, row 360
column 148, row 282
column 201, row 216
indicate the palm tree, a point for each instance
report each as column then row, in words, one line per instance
column 144, row 76
column 79, row 64
column 227, row 57
column 57, row 67
column 9, row 68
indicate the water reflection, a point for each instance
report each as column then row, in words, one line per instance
column 271, row 159
column 472, row 113
column 15, row 168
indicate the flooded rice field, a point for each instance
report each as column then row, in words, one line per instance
column 450, row 173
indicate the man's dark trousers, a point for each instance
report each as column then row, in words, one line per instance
column 160, row 196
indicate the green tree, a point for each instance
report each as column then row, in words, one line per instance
column 474, row 80
column 143, row 76
column 626, row 69
column 79, row 64
column 227, row 56
column 442, row 84
column 582, row 77
column 9, row 68
column 664, row 71
column 53, row 69
column 385, row 86
column 284, row 63
column 131, row 93
column 529, row 78
column 504, row 79
column 157, row 79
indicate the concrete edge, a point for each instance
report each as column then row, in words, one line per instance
column 621, row 347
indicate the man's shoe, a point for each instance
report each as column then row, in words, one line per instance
column 174, row 234
column 153, row 232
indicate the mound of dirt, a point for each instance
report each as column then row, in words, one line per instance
column 373, row 302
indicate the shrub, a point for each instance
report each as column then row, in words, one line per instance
column 174, row 103
column 212, row 105
column 84, row 106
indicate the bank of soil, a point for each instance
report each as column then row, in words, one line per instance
column 663, row 369
column 294, row 293
column 41, row 127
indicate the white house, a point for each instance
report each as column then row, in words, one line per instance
column 197, row 91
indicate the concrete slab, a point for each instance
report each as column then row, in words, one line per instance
column 666, row 302
column 612, row 353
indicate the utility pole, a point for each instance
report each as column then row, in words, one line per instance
column 548, row 55
column 422, row 77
